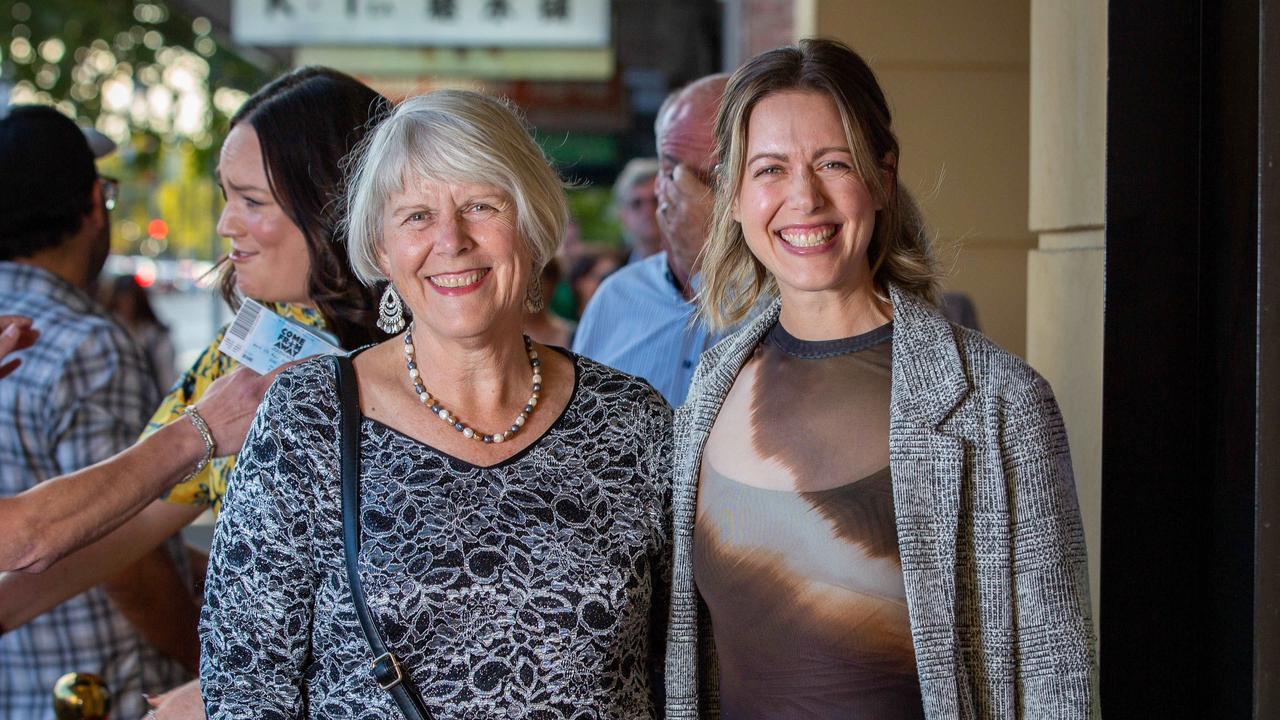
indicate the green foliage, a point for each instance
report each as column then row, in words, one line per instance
column 596, row 224
column 60, row 63
column 149, row 75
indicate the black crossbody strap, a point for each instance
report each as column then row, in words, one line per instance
column 386, row 669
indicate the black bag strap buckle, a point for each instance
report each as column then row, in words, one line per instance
column 386, row 671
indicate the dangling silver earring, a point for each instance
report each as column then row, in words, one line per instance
column 391, row 311
column 533, row 296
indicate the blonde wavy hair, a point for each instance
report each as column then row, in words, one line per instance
column 733, row 280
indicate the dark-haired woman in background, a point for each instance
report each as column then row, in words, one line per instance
column 876, row 505
column 280, row 170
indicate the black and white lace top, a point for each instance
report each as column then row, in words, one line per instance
column 533, row 588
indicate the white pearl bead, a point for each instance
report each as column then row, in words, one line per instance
column 444, row 414
column 537, row 379
column 408, row 349
column 425, row 398
column 533, row 354
column 499, row 438
column 468, row 433
column 520, row 420
column 413, row 373
column 533, row 402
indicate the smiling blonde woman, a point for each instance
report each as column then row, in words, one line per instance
column 874, row 509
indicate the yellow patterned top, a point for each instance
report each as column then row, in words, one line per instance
column 209, row 486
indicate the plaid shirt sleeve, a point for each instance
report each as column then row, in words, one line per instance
column 101, row 401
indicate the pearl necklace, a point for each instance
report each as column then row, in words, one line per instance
column 425, row 398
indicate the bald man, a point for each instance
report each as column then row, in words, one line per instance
column 641, row 320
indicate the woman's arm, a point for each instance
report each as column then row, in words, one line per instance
column 256, row 622
column 57, row 516
column 24, row 596
column 65, row 513
column 1057, row 664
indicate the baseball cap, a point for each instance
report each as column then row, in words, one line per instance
column 46, row 166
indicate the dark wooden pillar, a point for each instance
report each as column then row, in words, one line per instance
column 1189, row 415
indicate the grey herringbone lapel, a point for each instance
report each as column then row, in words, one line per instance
column 928, row 379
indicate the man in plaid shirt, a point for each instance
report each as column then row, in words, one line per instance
column 81, row 394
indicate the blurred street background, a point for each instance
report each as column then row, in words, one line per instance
column 161, row 78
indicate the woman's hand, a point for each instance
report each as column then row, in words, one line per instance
column 180, row 703
column 229, row 404
column 16, row 334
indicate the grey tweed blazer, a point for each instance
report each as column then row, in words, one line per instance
column 988, row 527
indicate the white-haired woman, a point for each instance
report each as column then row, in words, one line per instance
column 875, row 505
column 512, row 500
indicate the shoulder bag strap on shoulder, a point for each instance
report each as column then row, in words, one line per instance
column 386, row 669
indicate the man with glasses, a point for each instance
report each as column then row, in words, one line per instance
column 81, row 394
column 635, row 202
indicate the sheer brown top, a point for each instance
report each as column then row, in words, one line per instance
column 795, row 546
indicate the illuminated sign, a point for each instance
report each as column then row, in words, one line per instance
column 437, row 23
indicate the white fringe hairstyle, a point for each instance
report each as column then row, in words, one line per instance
column 452, row 136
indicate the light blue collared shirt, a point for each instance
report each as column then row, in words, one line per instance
column 639, row 323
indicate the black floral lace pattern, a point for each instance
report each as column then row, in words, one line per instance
column 534, row 588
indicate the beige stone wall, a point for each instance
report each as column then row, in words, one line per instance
column 1067, row 210
column 768, row 24
column 956, row 76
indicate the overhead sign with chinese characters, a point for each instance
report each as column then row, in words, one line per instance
column 441, row 23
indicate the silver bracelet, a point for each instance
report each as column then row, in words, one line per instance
column 205, row 434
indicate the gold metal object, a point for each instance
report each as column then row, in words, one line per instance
column 81, row 696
